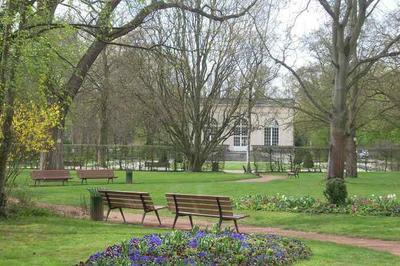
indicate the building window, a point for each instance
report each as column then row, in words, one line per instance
column 240, row 134
column 271, row 134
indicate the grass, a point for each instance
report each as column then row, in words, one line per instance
column 158, row 183
column 54, row 240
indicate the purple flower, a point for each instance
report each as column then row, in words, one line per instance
column 160, row 260
column 193, row 243
column 154, row 240
column 200, row 234
column 238, row 236
column 202, row 254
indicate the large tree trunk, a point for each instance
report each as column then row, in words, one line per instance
column 7, row 92
column 54, row 159
column 195, row 163
column 336, row 152
column 5, row 147
column 103, row 118
column 351, row 155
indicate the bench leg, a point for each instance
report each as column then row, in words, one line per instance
column 108, row 181
column 191, row 221
column 144, row 215
column 108, row 213
column 158, row 217
column 176, row 219
column 236, row 226
column 123, row 217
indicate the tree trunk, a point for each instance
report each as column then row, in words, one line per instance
column 195, row 163
column 54, row 159
column 103, row 118
column 7, row 92
column 5, row 147
column 249, row 127
column 351, row 156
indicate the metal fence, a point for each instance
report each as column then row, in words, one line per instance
column 122, row 157
column 314, row 159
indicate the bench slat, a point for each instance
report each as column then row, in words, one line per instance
column 232, row 217
column 117, row 201
column 50, row 174
column 95, row 174
column 198, row 201
column 194, row 197
column 200, row 211
column 201, row 206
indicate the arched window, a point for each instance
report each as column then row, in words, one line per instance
column 240, row 133
column 211, row 130
column 271, row 134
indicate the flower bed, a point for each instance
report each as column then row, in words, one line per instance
column 387, row 205
column 203, row 248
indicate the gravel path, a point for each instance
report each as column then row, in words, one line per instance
column 263, row 179
column 392, row 247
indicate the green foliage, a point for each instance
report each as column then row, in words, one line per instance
column 203, row 248
column 387, row 205
column 308, row 161
column 336, row 191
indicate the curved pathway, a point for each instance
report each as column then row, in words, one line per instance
column 392, row 247
column 263, row 179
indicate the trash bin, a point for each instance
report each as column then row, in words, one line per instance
column 129, row 176
column 96, row 205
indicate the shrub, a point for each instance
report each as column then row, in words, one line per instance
column 335, row 191
column 387, row 205
column 308, row 161
column 203, row 248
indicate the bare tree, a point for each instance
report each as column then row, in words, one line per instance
column 190, row 85
column 350, row 62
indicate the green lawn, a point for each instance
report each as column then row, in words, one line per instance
column 158, row 183
column 53, row 240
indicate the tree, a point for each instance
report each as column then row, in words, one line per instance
column 190, row 84
column 105, row 33
column 347, row 19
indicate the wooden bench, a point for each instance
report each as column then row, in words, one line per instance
column 84, row 175
column 50, row 175
column 202, row 205
column 130, row 200
column 295, row 172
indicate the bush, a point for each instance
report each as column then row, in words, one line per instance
column 203, row 248
column 387, row 205
column 335, row 191
column 308, row 161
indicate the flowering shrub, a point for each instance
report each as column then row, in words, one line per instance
column 387, row 205
column 203, row 248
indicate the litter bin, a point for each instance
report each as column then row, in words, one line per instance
column 129, row 176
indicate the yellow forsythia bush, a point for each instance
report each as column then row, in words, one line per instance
column 32, row 123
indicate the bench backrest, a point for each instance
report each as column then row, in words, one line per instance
column 127, row 199
column 200, row 204
column 95, row 173
column 49, row 174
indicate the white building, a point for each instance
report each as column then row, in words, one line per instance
column 272, row 125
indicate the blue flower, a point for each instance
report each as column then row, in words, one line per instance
column 202, row 254
column 200, row 234
column 154, row 240
column 193, row 243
